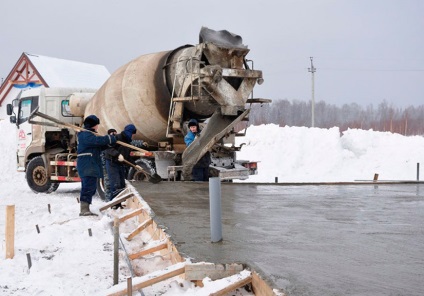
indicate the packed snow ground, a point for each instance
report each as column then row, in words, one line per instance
column 67, row 261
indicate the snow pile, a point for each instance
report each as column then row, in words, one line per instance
column 300, row 154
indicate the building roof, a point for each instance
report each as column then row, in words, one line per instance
column 35, row 70
column 65, row 73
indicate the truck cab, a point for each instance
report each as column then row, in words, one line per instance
column 40, row 144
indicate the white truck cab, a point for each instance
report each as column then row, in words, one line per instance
column 38, row 145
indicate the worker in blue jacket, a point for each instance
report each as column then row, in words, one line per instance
column 200, row 171
column 89, row 164
column 115, row 165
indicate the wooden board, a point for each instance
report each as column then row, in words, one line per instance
column 149, row 279
column 146, row 251
column 130, row 215
column 116, row 201
column 139, row 229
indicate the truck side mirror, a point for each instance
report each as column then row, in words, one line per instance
column 12, row 119
column 9, row 109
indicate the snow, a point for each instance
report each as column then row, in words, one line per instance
column 66, row 73
column 66, row 260
column 300, row 154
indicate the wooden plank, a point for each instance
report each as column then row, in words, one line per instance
column 156, row 232
column 10, row 231
column 139, row 229
column 198, row 271
column 261, row 288
column 149, row 279
column 240, row 283
column 116, row 201
column 130, row 215
column 144, row 252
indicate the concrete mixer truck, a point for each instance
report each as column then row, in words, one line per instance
column 159, row 93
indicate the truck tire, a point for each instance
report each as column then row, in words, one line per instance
column 101, row 189
column 146, row 164
column 37, row 177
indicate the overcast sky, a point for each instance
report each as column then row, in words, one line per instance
column 365, row 51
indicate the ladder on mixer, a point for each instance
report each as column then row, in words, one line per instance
column 177, row 101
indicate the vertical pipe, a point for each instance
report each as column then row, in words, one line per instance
column 215, row 209
column 276, row 179
column 10, row 231
column 115, row 251
column 418, row 171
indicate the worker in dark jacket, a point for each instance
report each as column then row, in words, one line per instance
column 89, row 163
column 115, row 155
column 200, row 170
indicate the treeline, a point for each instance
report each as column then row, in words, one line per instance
column 385, row 117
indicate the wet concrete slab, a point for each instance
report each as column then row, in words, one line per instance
column 305, row 240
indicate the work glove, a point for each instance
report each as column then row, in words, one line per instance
column 121, row 158
column 139, row 168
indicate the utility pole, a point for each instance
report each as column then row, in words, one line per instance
column 312, row 70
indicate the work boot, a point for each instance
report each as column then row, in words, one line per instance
column 85, row 209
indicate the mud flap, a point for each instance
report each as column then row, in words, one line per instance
column 216, row 128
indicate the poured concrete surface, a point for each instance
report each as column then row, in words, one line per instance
column 305, row 240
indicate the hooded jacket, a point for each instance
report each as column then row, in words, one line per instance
column 89, row 149
column 205, row 160
column 125, row 136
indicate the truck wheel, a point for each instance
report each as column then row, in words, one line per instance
column 37, row 177
column 134, row 175
column 101, row 189
column 146, row 164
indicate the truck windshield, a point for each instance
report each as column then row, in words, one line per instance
column 26, row 106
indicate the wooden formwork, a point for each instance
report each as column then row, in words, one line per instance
column 236, row 275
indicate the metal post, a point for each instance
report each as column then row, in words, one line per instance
column 276, row 179
column 215, row 209
column 313, row 70
column 115, row 251
column 418, row 171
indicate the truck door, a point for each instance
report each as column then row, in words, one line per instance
column 24, row 131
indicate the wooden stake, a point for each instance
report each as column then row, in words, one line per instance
column 89, row 232
column 375, row 177
column 38, row 229
column 48, row 207
column 77, row 199
column 29, row 260
column 129, row 286
column 10, row 231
